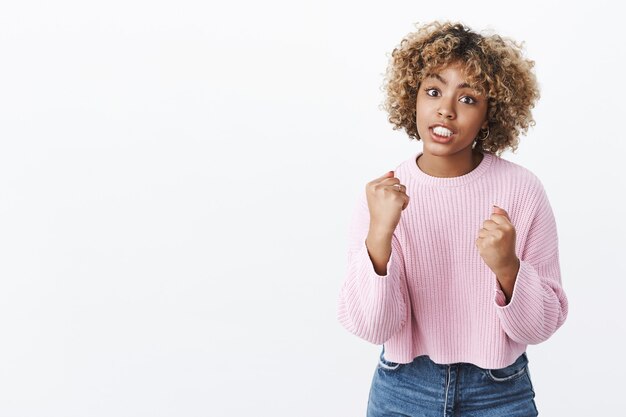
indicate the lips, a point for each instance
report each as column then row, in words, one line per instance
column 442, row 128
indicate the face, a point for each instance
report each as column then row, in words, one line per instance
column 445, row 99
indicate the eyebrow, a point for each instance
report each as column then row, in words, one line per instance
column 440, row 78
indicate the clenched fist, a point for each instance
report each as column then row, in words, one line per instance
column 386, row 198
column 496, row 245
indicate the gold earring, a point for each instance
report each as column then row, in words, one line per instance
column 486, row 136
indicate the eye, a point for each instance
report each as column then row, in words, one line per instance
column 432, row 92
column 468, row 100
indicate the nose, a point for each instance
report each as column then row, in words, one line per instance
column 446, row 110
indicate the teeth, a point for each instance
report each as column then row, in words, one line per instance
column 442, row 131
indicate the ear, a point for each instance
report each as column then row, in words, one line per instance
column 485, row 125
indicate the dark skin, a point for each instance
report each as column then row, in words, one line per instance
column 496, row 245
column 444, row 98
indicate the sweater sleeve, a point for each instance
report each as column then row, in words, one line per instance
column 371, row 306
column 538, row 305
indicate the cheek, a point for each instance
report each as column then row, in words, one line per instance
column 473, row 119
column 421, row 109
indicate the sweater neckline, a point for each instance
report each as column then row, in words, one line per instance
column 424, row 178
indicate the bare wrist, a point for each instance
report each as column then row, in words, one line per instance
column 510, row 274
column 379, row 233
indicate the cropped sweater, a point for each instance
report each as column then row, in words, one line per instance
column 438, row 297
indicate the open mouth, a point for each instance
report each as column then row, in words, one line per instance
column 441, row 134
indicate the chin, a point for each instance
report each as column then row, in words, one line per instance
column 438, row 149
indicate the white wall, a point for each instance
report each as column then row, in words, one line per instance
column 177, row 177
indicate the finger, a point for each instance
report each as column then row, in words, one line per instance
column 376, row 181
column 406, row 202
column 482, row 233
column 391, row 184
column 398, row 187
column 498, row 211
column 388, row 174
column 389, row 181
column 490, row 225
column 500, row 220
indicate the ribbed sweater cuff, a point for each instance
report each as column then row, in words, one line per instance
column 377, row 282
column 372, row 306
column 525, row 290
column 524, row 318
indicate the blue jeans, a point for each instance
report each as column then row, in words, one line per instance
column 423, row 388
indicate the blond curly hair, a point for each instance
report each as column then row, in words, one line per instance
column 494, row 66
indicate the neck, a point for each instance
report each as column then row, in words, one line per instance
column 449, row 165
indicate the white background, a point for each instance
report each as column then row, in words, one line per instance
column 177, row 178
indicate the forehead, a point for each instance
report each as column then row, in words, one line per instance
column 453, row 74
column 456, row 72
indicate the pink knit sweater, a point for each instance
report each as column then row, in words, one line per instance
column 439, row 298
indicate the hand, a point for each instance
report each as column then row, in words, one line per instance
column 385, row 201
column 496, row 245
